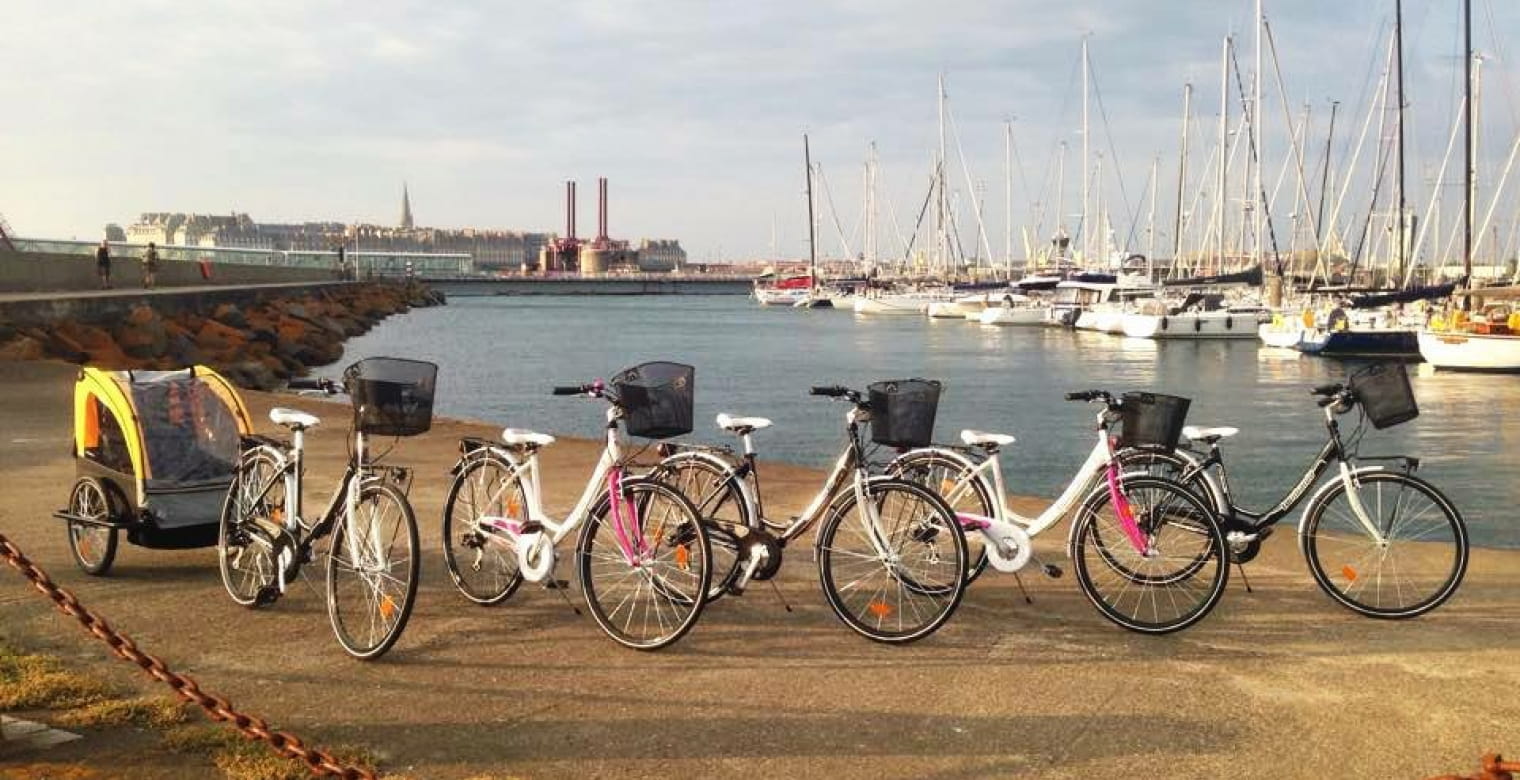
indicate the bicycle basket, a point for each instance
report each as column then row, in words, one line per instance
column 657, row 399
column 391, row 396
column 1384, row 392
column 1152, row 420
column 902, row 412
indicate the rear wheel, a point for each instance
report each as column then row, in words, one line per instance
column 964, row 492
column 896, row 573
column 1169, row 578
column 645, row 565
column 253, row 515
column 1415, row 569
column 481, row 558
column 721, row 505
column 372, row 572
column 92, row 543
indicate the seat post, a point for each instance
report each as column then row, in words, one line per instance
column 749, row 447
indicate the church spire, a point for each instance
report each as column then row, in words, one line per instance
column 406, row 208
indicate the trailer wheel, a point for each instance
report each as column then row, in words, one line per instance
column 92, row 545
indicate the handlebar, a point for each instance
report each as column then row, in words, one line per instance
column 1326, row 401
column 1091, row 395
column 324, row 385
column 1330, row 389
column 831, row 391
column 571, row 389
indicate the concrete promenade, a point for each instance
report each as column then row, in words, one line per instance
column 1279, row 683
column 43, row 308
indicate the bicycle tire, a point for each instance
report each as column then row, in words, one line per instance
column 1328, row 533
column 718, row 501
column 1173, row 565
column 92, row 546
column 380, row 599
column 927, row 520
column 245, row 550
column 920, row 465
column 481, row 562
column 679, row 536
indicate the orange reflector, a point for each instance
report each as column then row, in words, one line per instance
column 880, row 609
column 387, row 607
column 946, row 485
column 683, row 558
column 512, row 508
column 277, row 515
column 1349, row 573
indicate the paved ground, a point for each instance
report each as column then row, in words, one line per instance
column 1279, row 683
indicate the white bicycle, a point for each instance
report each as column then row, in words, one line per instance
column 1148, row 553
column 642, row 558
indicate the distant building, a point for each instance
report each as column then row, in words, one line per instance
column 661, row 254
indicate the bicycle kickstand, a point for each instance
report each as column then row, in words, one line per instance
column 560, row 586
column 1240, row 567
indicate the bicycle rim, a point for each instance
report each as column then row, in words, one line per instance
column 1420, row 565
column 372, row 573
column 482, row 559
column 1171, row 584
column 651, row 599
column 969, row 497
column 722, row 508
column 900, row 579
column 245, row 547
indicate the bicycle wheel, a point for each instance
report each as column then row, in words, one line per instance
column 721, row 505
column 646, row 566
column 482, row 559
column 1417, row 567
column 252, row 515
column 897, row 573
column 966, row 495
column 92, row 545
column 372, row 572
column 1169, row 584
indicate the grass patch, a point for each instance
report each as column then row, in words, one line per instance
column 155, row 712
column 240, row 758
column 36, row 682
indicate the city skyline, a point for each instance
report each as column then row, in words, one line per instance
column 302, row 113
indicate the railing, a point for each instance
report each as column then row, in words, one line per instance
column 366, row 263
column 5, row 234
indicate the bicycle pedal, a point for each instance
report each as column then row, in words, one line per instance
column 556, row 585
column 734, row 589
column 267, row 595
column 1051, row 570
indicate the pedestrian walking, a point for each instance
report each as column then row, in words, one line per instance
column 103, row 264
column 149, row 265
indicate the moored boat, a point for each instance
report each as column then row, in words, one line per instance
column 1489, row 341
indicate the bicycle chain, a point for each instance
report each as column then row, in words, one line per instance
column 318, row 761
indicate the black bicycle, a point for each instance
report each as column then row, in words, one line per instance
column 1378, row 539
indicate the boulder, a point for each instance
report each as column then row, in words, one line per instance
column 229, row 314
column 20, row 347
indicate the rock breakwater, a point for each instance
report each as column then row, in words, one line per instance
column 257, row 345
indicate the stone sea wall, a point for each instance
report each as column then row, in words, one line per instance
column 258, row 343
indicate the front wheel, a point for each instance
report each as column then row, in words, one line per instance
column 253, row 516
column 968, row 494
column 372, row 572
column 1416, row 567
column 91, row 542
column 1165, row 572
column 894, row 570
column 645, row 564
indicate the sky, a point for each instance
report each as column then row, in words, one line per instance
column 695, row 111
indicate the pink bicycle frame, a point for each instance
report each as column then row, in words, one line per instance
column 625, row 519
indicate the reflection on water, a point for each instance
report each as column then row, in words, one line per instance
column 499, row 356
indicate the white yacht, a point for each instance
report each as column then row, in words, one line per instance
column 1015, row 309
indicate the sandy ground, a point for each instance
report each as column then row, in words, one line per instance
column 1279, row 683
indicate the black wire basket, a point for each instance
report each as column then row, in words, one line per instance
column 902, row 412
column 1152, row 420
column 1384, row 393
column 657, row 399
column 391, row 396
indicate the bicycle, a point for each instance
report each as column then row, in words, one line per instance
column 264, row 538
column 1353, row 523
column 642, row 558
column 1147, row 552
column 891, row 559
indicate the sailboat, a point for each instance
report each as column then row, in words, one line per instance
column 815, row 299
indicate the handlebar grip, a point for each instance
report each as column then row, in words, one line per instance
column 305, row 383
column 569, row 389
column 1084, row 395
column 832, row 391
column 1326, row 401
column 1330, row 389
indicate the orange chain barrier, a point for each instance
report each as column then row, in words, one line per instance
column 320, row 762
column 1494, row 768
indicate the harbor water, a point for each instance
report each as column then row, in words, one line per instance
column 499, row 356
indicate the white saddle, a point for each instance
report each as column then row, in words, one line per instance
column 984, row 439
column 516, row 437
column 1196, row 433
column 729, row 422
column 293, row 419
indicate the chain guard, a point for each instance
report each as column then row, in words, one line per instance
column 1008, row 548
column 535, row 556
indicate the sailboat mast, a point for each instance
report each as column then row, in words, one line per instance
column 1470, row 200
column 1187, row 113
column 1008, row 196
column 1061, row 201
column 1398, row 37
column 1259, row 159
column 1086, row 162
column 944, row 204
column 807, row 161
column 1150, row 225
column 1224, row 143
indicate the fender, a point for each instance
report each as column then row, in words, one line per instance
column 895, row 467
column 1319, row 496
column 722, row 464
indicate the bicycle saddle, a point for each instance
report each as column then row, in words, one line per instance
column 294, row 419
column 742, row 425
column 516, row 437
column 1208, row 435
column 984, row 439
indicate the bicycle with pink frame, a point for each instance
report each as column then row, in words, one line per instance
column 642, row 557
column 1147, row 552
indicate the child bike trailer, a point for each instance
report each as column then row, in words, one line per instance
column 154, row 453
